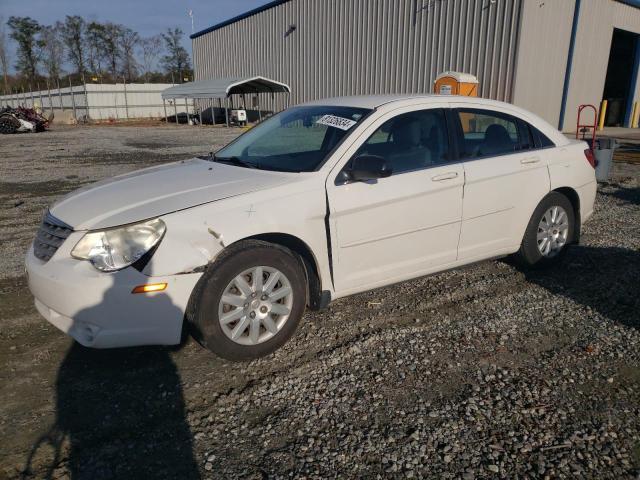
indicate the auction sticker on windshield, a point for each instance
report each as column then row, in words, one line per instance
column 338, row 122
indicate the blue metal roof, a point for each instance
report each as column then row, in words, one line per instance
column 248, row 14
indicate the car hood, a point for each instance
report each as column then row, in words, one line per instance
column 156, row 191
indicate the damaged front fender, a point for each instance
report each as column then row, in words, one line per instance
column 185, row 248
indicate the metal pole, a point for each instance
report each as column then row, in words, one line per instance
column 226, row 112
column 73, row 100
column 164, row 105
column 86, row 98
column 175, row 109
column 50, row 100
column 200, row 111
column 186, row 108
column 258, row 105
column 60, row 94
column 31, row 93
column 126, row 103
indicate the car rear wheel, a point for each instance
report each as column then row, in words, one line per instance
column 249, row 302
column 549, row 232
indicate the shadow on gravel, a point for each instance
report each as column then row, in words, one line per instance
column 629, row 195
column 605, row 279
column 120, row 413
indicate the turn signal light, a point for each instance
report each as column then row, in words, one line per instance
column 150, row 287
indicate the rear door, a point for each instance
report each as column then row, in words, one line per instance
column 505, row 178
column 401, row 226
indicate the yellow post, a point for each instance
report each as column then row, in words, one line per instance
column 636, row 114
column 603, row 113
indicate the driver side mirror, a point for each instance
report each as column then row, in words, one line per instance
column 368, row 167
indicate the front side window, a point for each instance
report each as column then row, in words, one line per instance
column 486, row 133
column 410, row 141
column 297, row 140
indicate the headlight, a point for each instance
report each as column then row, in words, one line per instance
column 117, row 248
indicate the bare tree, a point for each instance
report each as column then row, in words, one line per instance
column 24, row 31
column 150, row 48
column 73, row 33
column 111, row 47
column 4, row 55
column 177, row 59
column 128, row 40
column 94, row 35
column 52, row 49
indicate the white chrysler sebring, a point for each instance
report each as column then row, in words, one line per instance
column 320, row 201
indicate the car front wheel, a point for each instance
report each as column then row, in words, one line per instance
column 249, row 302
column 549, row 232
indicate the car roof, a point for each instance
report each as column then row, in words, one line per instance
column 375, row 101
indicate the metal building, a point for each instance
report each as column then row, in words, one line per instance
column 548, row 56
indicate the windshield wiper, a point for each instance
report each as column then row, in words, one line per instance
column 234, row 161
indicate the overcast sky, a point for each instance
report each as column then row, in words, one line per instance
column 147, row 17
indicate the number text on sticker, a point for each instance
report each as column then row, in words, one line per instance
column 337, row 122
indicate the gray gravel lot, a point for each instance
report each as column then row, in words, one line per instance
column 483, row 372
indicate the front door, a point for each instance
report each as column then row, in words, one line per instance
column 404, row 225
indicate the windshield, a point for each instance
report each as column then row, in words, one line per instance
column 298, row 139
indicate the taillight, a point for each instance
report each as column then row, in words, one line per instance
column 590, row 157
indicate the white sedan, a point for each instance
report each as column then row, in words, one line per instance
column 320, row 201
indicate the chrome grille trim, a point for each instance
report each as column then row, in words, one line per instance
column 51, row 234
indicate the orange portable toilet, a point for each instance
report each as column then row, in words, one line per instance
column 456, row 83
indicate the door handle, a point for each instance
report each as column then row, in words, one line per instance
column 444, row 176
column 530, row 160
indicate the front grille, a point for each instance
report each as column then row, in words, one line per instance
column 51, row 234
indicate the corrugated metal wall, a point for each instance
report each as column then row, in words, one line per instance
column 345, row 47
column 541, row 64
column 543, row 50
column 598, row 18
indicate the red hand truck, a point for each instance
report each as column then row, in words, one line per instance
column 584, row 127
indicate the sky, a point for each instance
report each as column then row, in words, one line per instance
column 147, row 17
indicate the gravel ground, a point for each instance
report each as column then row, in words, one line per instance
column 482, row 372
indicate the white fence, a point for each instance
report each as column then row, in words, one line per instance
column 102, row 101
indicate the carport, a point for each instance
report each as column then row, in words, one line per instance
column 223, row 90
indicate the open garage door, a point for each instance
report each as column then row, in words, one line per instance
column 622, row 73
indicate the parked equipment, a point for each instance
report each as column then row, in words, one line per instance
column 239, row 117
column 17, row 120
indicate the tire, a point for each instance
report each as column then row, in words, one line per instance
column 274, row 325
column 532, row 250
column 8, row 125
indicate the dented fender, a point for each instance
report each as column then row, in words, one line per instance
column 196, row 236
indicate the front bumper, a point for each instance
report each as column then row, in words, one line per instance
column 99, row 310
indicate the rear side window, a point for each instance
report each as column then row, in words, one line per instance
column 542, row 141
column 410, row 141
column 486, row 133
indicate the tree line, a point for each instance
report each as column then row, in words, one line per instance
column 76, row 50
